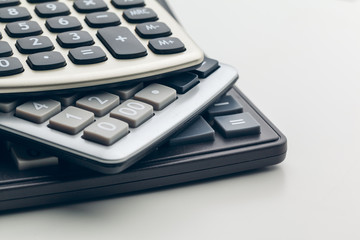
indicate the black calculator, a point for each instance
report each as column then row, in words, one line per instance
column 62, row 46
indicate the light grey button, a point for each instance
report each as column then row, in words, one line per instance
column 99, row 103
column 106, row 131
column 66, row 99
column 72, row 120
column 27, row 158
column 159, row 96
column 127, row 92
column 8, row 105
column 38, row 111
column 133, row 112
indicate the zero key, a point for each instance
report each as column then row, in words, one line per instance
column 10, row 66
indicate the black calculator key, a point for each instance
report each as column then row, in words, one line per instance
column 63, row 24
column 87, row 55
column 198, row 131
column 40, row 1
column 74, row 39
column 207, row 67
column 5, row 49
column 8, row 3
column 153, row 30
column 140, row 15
column 12, row 14
column 123, row 4
column 51, row 9
column 225, row 106
column 237, row 125
column 121, row 43
column 168, row 45
column 34, row 44
column 46, row 60
column 102, row 19
column 10, row 66
column 23, row 29
column 88, row 6
column 182, row 82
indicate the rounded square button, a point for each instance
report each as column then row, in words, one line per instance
column 10, row 66
column 23, row 29
column 157, row 95
column 63, row 24
column 123, row 4
column 38, row 111
column 140, row 15
column 99, row 103
column 51, row 9
column 87, row 55
column 74, row 39
column 46, row 60
column 153, row 30
column 88, row 6
column 29, row 45
column 12, row 14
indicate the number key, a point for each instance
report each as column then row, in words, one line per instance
column 38, row 111
column 99, row 104
column 63, row 24
column 12, row 14
column 8, row 3
column 74, row 39
column 10, row 66
column 29, row 45
column 23, row 29
column 46, row 10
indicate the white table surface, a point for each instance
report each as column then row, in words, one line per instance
column 299, row 62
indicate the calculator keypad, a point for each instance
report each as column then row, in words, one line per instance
column 8, row 3
column 99, row 103
column 157, row 95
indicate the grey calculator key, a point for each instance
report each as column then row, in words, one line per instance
column 106, row 131
column 53, row 9
column 66, row 99
column 8, row 3
column 74, row 39
column 133, row 112
column 12, row 14
column 198, row 131
column 121, row 43
column 182, row 82
column 157, row 95
column 207, row 67
column 140, row 15
column 236, row 125
column 23, row 29
column 167, row 45
column 123, row 4
column 46, row 60
column 225, row 106
column 88, row 6
column 99, row 103
column 87, row 55
column 153, row 30
column 7, row 105
column 38, row 111
column 5, row 49
column 127, row 92
column 10, row 66
column 63, row 24
column 28, row 158
column 71, row 120
column 34, row 44
column 102, row 19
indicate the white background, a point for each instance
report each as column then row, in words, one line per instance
column 299, row 62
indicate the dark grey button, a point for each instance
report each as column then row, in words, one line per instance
column 140, row 15
column 46, row 60
column 40, row 1
column 35, row 44
column 10, row 66
column 8, row 3
column 88, row 6
column 127, row 91
column 207, row 67
column 198, row 131
column 225, row 106
column 87, row 55
column 106, row 131
column 12, row 14
column 182, row 82
column 237, row 125
column 66, row 99
column 23, row 29
column 102, row 19
column 123, row 4
column 63, row 24
column 51, row 9
column 7, row 105
column 74, row 39
column 5, row 49
column 153, row 30
column 121, row 43
column 168, row 45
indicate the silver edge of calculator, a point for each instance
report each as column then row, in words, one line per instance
column 111, row 71
column 147, row 136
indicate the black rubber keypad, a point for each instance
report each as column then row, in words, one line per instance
column 34, row 44
column 52, row 9
column 102, row 19
column 23, row 29
column 46, row 60
column 74, row 39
